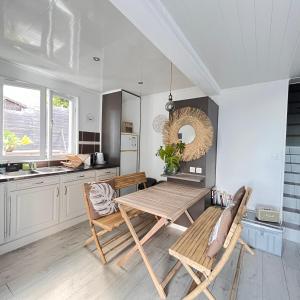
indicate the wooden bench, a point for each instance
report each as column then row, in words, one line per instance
column 190, row 249
column 110, row 222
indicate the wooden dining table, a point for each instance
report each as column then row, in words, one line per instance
column 167, row 202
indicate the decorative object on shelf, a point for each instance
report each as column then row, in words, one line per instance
column 221, row 198
column 267, row 213
column 127, row 127
column 170, row 106
column 191, row 126
column 171, row 155
column 159, row 123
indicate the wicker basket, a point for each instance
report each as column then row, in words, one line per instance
column 74, row 161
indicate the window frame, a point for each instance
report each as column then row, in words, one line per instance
column 45, row 122
column 73, row 133
column 21, row 84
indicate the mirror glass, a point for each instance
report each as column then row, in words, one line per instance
column 187, row 134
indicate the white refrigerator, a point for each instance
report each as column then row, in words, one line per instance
column 129, row 157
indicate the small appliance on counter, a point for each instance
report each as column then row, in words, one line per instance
column 100, row 158
column 93, row 159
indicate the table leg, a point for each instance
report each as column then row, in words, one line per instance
column 155, row 280
column 159, row 224
column 189, row 217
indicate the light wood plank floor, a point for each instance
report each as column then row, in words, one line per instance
column 58, row 267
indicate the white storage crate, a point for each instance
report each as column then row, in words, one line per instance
column 262, row 235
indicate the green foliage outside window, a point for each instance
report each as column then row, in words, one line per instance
column 60, row 102
column 11, row 141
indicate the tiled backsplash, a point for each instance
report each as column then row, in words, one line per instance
column 89, row 142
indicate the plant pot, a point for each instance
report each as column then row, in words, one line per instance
column 170, row 170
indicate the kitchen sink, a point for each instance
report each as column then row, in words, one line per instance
column 51, row 170
column 21, row 173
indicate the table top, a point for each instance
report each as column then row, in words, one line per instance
column 167, row 200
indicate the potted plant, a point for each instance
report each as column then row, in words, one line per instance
column 11, row 141
column 171, row 155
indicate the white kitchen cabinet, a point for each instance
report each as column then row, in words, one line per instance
column 72, row 204
column 106, row 173
column 32, row 209
column 2, row 213
column 72, row 200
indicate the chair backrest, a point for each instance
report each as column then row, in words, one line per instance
column 239, row 215
column 227, row 253
column 120, row 182
column 125, row 181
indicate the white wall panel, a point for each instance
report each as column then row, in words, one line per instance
column 251, row 140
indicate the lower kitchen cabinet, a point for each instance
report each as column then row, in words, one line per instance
column 72, row 200
column 2, row 213
column 35, row 207
column 32, row 210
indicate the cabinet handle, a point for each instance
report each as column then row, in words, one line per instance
column 9, row 221
column 5, row 215
column 66, row 190
column 40, row 182
column 57, row 194
column 81, row 175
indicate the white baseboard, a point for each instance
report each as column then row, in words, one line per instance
column 13, row 245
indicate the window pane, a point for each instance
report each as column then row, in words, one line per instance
column 61, row 125
column 21, row 121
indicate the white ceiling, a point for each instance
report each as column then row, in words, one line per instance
column 242, row 41
column 62, row 36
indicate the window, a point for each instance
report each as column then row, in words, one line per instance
column 21, row 121
column 62, row 112
column 35, row 126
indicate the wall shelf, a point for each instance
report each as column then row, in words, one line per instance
column 186, row 176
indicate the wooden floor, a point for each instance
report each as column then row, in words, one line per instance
column 58, row 267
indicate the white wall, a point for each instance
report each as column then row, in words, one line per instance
column 153, row 105
column 251, row 140
column 89, row 101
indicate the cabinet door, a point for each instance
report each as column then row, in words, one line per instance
column 33, row 210
column 2, row 214
column 72, row 200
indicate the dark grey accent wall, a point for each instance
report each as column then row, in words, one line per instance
column 111, row 127
column 207, row 162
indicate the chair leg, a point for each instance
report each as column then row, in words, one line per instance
column 247, row 248
column 193, row 295
column 101, row 254
column 91, row 239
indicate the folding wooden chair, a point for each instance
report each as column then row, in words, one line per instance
column 190, row 249
column 110, row 222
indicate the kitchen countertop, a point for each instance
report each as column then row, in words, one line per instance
column 6, row 177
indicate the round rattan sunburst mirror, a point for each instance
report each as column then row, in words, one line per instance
column 202, row 135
